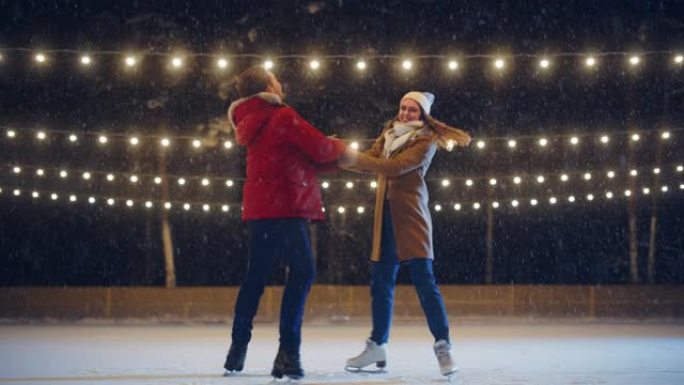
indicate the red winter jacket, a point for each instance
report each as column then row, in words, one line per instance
column 284, row 152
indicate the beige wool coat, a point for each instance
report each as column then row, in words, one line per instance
column 401, row 180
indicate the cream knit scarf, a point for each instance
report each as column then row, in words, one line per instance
column 399, row 134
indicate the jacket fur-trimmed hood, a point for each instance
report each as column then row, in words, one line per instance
column 247, row 116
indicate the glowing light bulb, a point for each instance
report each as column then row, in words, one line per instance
column 544, row 63
column 205, row 182
column 590, row 62
column 102, row 139
column 587, row 176
column 73, row 138
column 492, row 182
column 564, row 178
column 134, row 141
column 134, row 179
column 512, row 143
column 540, row 179
column 349, row 185
column 517, row 180
column 543, row 142
column 476, row 206
column 86, row 60
column 374, row 184
column 515, row 203
column 181, row 181
column 177, row 62
column 110, row 177
column 360, row 209
column 228, row 144
column 469, row 182
column 499, row 64
column 635, row 137
column 341, row 210
column 406, row 64
column 533, row 202
column 325, row 185
column 495, row 204
column 157, row 180
column 480, row 144
column 634, row 60
column 11, row 134
column 457, row 207
column 574, row 140
column 314, row 64
column 222, row 63
column 40, row 58
column 354, row 145
column 165, row 142
column 268, row 64
column 361, row 65
column 205, row 207
column 453, row 65
column 196, row 143
column 445, row 182
column 605, row 139
column 230, row 183
column 130, row 61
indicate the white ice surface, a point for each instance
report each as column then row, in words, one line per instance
column 500, row 352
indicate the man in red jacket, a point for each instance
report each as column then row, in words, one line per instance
column 281, row 194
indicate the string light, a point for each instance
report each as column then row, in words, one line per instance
column 445, row 182
column 222, row 63
column 134, row 179
column 11, row 134
column 361, row 65
column 679, row 59
column 517, row 180
column 102, row 139
column 41, row 135
column 341, row 210
column 157, row 180
column 495, row 204
column 664, row 189
column 544, row 63
column 574, row 140
column 646, row 190
column 453, row 65
column 230, row 183
column 656, row 170
column 374, row 184
column 457, row 206
column 86, row 60
column 131, row 61
column 181, row 181
column 605, row 139
column 480, row 144
column 205, row 182
column 325, row 185
column 349, row 185
column 73, row 138
column 268, row 64
column 665, row 135
column 628, row 193
column 165, row 142
column 476, row 205
column 228, row 144
column 571, row 198
column 564, row 178
column 314, row 64
column 553, row 200
column 611, row 174
column 177, row 62
column 360, row 209
column 533, row 202
column 196, row 143
column 590, row 197
column 512, row 143
column 634, row 173
column 86, row 175
column 515, row 203
column 635, row 137
column 469, row 182
column 406, row 64
column 499, row 63
column 540, row 179
column 492, row 182
column 609, row 195
column 543, row 142
column 590, row 62
column 634, row 60
column 40, row 58
column 587, row 176
column 354, row 146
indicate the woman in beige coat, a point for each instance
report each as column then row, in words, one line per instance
column 402, row 226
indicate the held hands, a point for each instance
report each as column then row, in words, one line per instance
column 347, row 159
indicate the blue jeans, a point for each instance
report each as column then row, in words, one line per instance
column 383, row 281
column 270, row 239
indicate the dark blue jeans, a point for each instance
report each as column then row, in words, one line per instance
column 269, row 240
column 383, row 280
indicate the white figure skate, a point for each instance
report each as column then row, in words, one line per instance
column 446, row 363
column 372, row 354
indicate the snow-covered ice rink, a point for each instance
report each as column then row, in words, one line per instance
column 488, row 352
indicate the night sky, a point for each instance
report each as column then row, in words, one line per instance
column 55, row 242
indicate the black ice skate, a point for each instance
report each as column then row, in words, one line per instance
column 287, row 364
column 235, row 360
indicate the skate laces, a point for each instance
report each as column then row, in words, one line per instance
column 443, row 352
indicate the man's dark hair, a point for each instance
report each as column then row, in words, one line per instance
column 252, row 81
